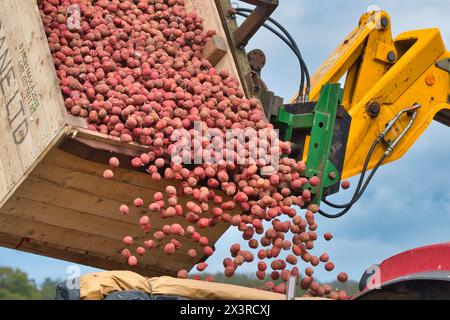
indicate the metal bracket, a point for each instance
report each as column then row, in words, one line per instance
column 320, row 124
column 444, row 64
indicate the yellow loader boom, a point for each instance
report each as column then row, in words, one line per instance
column 383, row 77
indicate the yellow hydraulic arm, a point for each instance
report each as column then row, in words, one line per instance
column 383, row 77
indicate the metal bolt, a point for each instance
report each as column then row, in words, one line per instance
column 373, row 109
column 257, row 59
column 392, row 56
column 384, row 22
column 332, row 175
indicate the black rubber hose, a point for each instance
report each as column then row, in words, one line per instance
column 364, row 188
column 291, row 45
column 360, row 182
column 291, row 39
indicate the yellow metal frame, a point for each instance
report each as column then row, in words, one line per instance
column 393, row 74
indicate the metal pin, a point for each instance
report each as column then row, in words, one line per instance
column 290, row 293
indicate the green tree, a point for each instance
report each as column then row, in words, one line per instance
column 15, row 285
column 48, row 288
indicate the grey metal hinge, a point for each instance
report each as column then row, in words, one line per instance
column 444, row 64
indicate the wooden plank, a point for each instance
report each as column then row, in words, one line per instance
column 97, row 194
column 46, row 101
column 58, row 216
column 214, row 50
column 30, row 100
column 87, row 204
column 93, row 207
column 53, row 143
column 39, row 231
column 130, row 176
column 10, row 122
column 98, row 163
column 3, row 183
column 10, row 191
column 91, row 184
column 105, row 142
column 112, row 232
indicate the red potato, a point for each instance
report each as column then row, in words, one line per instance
column 235, row 248
column 329, row 266
column 171, row 190
column 253, row 244
column 314, row 261
column 203, row 241
column 239, row 260
column 342, row 277
column 136, row 162
column 128, row 240
column 190, row 230
column 328, row 236
column 281, row 288
column 208, row 251
column 262, row 266
column 202, row 266
column 114, row 162
column 345, row 185
column 150, row 244
column 261, row 275
column 108, row 174
column 248, row 256
column 169, row 248
column 192, row 253
column 229, row 272
column 291, row 259
column 132, row 261
column 124, row 210
column 138, row 202
column 306, row 282
column 176, row 243
column 177, row 229
column 203, row 223
column 314, row 181
column 275, row 275
column 158, row 196
column 126, row 253
column 285, row 274
column 324, row 258
column 196, row 236
column 278, row 264
column 159, row 235
column 182, row 274
column 140, row 251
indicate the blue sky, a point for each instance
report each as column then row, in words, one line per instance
column 408, row 203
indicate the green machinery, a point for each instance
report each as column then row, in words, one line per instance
column 326, row 125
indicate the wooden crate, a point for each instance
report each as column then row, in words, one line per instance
column 53, row 199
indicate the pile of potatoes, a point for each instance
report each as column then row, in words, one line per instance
column 134, row 70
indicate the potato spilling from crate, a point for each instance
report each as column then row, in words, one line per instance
column 134, row 70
